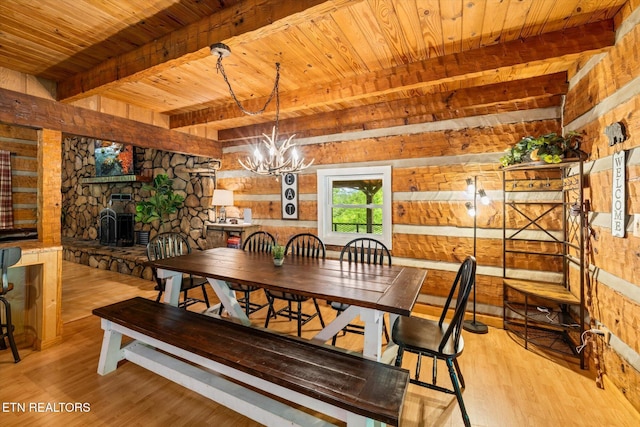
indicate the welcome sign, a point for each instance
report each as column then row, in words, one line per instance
column 619, row 196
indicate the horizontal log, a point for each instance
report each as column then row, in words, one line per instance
column 606, row 78
column 488, row 288
column 621, row 374
column 24, row 165
column 25, row 214
column 446, row 177
column 617, row 256
column 20, row 198
column 600, row 190
column 407, row 146
column 445, row 105
column 21, row 149
column 18, row 132
column 24, row 110
column 23, row 181
column 447, row 248
column 620, row 315
column 445, row 213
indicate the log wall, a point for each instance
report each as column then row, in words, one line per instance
column 430, row 165
column 605, row 93
column 23, row 144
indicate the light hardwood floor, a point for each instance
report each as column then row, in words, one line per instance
column 506, row 384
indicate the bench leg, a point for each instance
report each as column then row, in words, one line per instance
column 110, row 353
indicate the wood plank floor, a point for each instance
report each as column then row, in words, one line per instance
column 506, row 385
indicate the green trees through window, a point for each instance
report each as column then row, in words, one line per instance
column 356, row 206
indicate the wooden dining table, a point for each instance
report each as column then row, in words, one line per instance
column 370, row 290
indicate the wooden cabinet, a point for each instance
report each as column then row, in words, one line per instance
column 544, row 261
column 219, row 234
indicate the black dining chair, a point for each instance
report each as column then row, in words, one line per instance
column 438, row 339
column 301, row 245
column 168, row 245
column 362, row 250
column 8, row 257
column 260, row 241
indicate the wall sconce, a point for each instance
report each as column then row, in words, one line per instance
column 222, row 198
column 472, row 209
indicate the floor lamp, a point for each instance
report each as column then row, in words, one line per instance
column 474, row 325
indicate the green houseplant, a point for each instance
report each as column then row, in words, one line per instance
column 278, row 254
column 161, row 203
column 549, row 148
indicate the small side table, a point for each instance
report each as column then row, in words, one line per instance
column 218, row 234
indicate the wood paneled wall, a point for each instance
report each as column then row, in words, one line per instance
column 609, row 92
column 23, row 144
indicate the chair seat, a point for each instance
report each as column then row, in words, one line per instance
column 241, row 288
column 287, row 296
column 340, row 306
column 425, row 336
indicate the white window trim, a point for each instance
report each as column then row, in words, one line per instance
column 327, row 176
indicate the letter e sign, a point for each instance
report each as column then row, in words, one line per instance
column 289, row 196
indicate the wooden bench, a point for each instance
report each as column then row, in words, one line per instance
column 325, row 380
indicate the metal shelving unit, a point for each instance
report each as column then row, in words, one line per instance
column 543, row 255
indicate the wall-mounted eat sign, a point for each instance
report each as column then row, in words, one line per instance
column 290, row 196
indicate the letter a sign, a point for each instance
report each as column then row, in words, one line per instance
column 618, row 195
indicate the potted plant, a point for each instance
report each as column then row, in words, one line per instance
column 278, row 254
column 161, row 203
column 549, row 148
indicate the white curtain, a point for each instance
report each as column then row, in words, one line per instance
column 6, row 202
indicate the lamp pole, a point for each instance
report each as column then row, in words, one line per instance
column 474, row 325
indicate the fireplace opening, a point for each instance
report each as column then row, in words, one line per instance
column 116, row 229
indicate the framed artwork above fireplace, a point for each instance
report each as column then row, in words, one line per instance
column 113, row 158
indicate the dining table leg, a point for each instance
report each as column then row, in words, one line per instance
column 391, row 350
column 338, row 324
column 372, row 329
column 229, row 301
column 372, row 333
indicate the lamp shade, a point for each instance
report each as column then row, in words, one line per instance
column 222, row 198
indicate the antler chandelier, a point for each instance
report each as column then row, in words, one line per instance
column 279, row 158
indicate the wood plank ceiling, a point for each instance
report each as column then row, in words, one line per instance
column 345, row 64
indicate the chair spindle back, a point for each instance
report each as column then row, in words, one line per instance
column 365, row 250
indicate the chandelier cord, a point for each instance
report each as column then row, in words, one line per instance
column 274, row 91
column 281, row 158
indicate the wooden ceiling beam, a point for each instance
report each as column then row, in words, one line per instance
column 516, row 54
column 247, row 20
column 34, row 112
column 524, row 93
